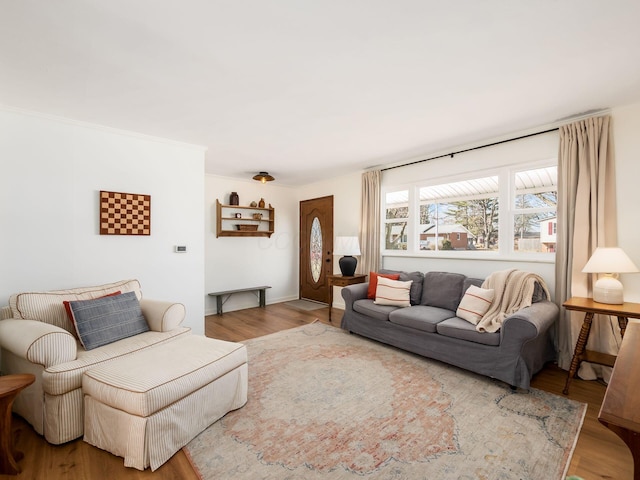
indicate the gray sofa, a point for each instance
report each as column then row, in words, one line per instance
column 429, row 327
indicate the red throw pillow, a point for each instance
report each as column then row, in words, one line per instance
column 373, row 282
column 67, row 306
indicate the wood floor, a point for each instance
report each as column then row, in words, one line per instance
column 599, row 453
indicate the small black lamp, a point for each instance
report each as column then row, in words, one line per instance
column 347, row 246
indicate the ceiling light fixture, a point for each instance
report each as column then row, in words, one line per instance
column 263, row 177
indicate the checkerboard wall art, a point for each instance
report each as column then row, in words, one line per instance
column 125, row 213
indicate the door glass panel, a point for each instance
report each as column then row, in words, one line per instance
column 315, row 249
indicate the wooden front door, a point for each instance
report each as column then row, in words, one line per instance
column 316, row 248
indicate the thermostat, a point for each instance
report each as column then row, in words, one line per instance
column 181, row 249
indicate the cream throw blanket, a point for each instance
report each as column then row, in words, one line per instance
column 513, row 291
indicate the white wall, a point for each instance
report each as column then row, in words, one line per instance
column 626, row 137
column 52, row 171
column 238, row 262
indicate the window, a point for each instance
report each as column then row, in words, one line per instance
column 509, row 211
column 396, row 220
column 460, row 215
column 534, row 210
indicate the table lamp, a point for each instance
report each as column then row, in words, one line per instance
column 609, row 262
column 347, row 246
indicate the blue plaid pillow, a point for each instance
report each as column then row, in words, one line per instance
column 106, row 320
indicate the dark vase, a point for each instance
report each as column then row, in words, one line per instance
column 234, row 199
column 261, row 203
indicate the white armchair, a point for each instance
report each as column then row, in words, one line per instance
column 37, row 337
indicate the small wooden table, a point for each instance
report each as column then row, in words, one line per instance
column 620, row 410
column 591, row 308
column 342, row 281
column 10, row 387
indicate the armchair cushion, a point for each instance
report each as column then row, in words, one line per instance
column 38, row 342
column 47, row 307
column 108, row 319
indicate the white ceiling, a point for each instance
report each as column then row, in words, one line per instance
column 307, row 89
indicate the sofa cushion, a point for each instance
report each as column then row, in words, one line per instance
column 458, row 328
column 416, row 287
column 476, row 282
column 420, row 317
column 369, row 308
column 475, row 303
column 47, row 306
column 442, row 289
column 108, row 319
column 373, row 282
column 393, row 292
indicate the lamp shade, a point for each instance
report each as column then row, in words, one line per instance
column 609, row 260
column 346, row 246
column 263, row 177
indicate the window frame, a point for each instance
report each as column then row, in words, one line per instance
column 506, row 199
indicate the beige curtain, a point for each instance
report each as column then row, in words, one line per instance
column 370, row 223
column 586, row 220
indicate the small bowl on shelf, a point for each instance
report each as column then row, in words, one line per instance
column 257, row 216
column 247, row 228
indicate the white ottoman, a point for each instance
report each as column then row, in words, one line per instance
column 147, row 406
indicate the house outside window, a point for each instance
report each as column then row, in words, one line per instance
column 396, row 220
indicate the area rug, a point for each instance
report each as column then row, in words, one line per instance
column 324, row 404
column 306, row 305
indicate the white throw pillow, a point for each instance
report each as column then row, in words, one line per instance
column 475, row 303
column 393, row 292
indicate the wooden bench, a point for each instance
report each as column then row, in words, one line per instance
column 220, row 300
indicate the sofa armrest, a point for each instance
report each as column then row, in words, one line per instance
column 38, row 342
column 162, row 316
column 351, row 293
column 530, row 322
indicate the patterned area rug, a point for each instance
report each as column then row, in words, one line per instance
column 324, row 404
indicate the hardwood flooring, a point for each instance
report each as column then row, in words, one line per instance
column 599, row 453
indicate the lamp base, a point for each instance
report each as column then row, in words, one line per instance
column 348, row 265
column 608, row 290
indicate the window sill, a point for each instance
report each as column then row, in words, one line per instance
column 475, row 256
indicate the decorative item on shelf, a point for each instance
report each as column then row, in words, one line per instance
column 257, row 216
column 609, row 262
column 253, row 204
column 234, row 199
column 261, row 203
column 347, row 246
column 238, row 215
column 247, row 228
column 263, row 177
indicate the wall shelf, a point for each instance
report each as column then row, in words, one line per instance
column 226, row 220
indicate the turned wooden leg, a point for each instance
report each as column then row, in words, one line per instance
column 622, row 323
column 579, row 350
column 8, row 465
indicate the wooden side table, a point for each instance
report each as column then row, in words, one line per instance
column 10, row 387
column 591, row 308
column 342, row 281
column 620, row 410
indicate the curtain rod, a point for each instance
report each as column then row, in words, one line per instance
column 470, row 149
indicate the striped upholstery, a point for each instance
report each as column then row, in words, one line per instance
column 33, row 339
column 47, row 307
column 62, row 378
column 122, row 395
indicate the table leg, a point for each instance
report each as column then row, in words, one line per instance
column 330, row 299
column 262, row 297
column 622, row 323
column 579, row 350
column 219, row 304
column 8, row 465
